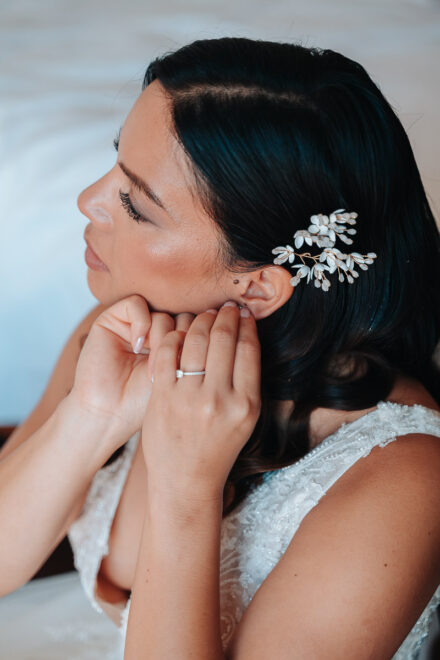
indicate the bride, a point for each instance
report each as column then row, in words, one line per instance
column 266, row 265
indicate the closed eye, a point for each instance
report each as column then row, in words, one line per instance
column 129, row 208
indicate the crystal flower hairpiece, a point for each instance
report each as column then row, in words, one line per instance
column 323, row 231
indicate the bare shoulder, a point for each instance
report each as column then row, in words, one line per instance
column 361, row 567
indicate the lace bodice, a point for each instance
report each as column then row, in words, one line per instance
column 255, row 535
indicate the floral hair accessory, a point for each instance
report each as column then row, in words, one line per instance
column 323, row 231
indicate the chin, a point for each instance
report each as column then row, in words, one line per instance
column 99, row 290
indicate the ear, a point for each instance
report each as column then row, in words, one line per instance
column 267, row 289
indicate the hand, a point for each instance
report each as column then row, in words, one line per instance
column 112, row 382
column 195, row 426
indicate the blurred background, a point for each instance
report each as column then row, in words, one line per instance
column 69, row 73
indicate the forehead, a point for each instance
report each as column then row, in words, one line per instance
column 149, row 148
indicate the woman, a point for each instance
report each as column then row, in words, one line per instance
column 238, row 514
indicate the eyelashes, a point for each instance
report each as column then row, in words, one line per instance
column 127, row 205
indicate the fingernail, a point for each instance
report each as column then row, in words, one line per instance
column 139, row 343
column 230, row 303
column 212, row 311
column 245, row 312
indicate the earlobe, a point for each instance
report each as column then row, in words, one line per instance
column 267, row 290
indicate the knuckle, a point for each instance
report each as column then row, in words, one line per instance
column 168, row 343
column 249, row 345
column 136, row 300
column 136, row 309
column 242, row 407
column 255, row 410
column 247, row 408
column 210, row 407
column 165, row 350
column 221, row 334
column 197, row 338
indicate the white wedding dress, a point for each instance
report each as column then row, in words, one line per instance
column 254, row 537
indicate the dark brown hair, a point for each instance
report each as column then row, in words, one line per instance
column 276, row 132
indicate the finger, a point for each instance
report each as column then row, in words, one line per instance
column 221, row 350
column 161, row 325
column 167, row 359
column 247, row 367
column 139, row 317
column 184, row 320
column 129, row 318
column 195, row 347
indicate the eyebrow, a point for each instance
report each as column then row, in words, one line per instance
column 138, row 183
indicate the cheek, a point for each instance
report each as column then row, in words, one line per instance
column 139, row 261
column 173, row 273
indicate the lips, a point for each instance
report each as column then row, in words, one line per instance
column 92, row 259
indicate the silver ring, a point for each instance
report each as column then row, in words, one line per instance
column 180, row 373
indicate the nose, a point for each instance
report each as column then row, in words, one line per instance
column 95, row 202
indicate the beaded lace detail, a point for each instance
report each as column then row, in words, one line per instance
column 255, row 535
